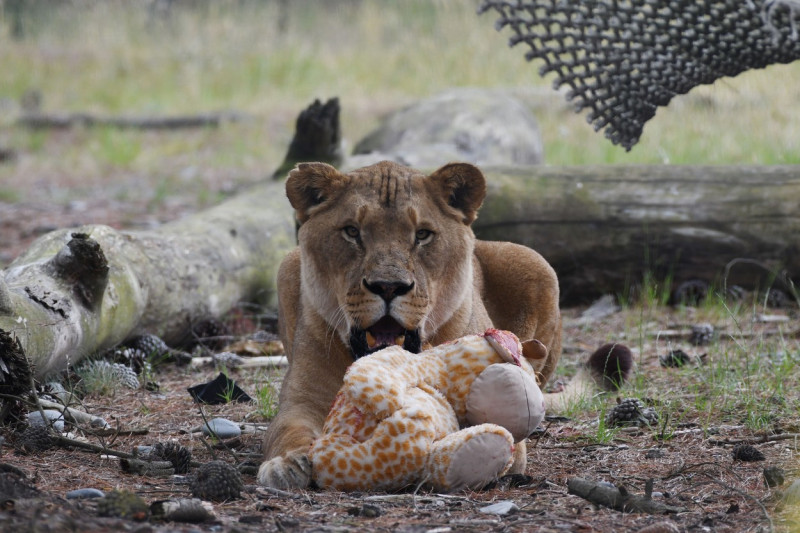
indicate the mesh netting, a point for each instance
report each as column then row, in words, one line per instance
column 621, row 59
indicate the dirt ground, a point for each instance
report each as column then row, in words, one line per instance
column 690, row 462
column 692, row 470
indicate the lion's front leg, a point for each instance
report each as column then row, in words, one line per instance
column 286, row 445
column 301, row 414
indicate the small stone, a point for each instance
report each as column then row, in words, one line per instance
column 143, row 452
column 745, row 452
column 85, row 494
column 501, row 508
column 57, row 391
column 774, row 476
column 99, row 423
column 53, row 416
column 222, row 427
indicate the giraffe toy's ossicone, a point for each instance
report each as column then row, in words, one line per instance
column 447, row 417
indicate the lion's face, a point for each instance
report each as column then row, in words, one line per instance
column 386, row 252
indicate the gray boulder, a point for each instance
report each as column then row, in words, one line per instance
column 483, row 127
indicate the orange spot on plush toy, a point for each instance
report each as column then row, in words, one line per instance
column 426, row 423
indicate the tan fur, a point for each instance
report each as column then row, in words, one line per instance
column 460, row 286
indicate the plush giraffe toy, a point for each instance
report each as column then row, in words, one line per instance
column 397, row 416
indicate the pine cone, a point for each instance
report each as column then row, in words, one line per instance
column 122, row 374
column 211, row 333
column 178, row 455
column 123, row 504
column 150, row 345
column 216, row 481
column 631, row 412
column 690, row 293
column 35, row 438
column 125, row 374
column 132, row 357
column 702, row 334
column 156, row 350
column 745, row 452
column 675, row 359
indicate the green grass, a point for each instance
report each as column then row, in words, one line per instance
column 266, row 397
column 114, row 57
column 743, row 378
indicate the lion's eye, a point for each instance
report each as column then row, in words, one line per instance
column 423, row 236
column 351, row 232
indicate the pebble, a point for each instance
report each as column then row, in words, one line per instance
column 502, row 508
column 35, row 418
column 85, row 494
column 143, row 452
column 58, row 391
column 224, row 428
column 99, row 423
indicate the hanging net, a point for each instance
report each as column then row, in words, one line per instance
column 622, row 59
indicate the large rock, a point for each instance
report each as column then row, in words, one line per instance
column 484, row 127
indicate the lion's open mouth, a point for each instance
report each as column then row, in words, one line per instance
column 385, row 332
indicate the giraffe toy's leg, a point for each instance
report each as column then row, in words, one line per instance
column 392, row 456
column 469, row 458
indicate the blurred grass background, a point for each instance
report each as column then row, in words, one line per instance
column 271, row 58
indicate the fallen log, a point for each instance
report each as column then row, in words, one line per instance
column 71, row 120
column 604, row 229
column 77, row 291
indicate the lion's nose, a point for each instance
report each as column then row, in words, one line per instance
column 388, row 290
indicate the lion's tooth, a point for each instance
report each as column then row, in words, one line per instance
column 371, row 341
column 400, row 340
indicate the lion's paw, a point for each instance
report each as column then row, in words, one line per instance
column 291, row 471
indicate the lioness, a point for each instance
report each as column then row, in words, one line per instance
column 387, row 256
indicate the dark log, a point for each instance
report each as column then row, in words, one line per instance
column 618, row 498
column 605, row 228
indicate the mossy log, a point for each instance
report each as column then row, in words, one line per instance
column 77, row 291
column 605, row 228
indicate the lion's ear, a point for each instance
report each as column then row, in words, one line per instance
column 463, row 187
column 310, row 184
